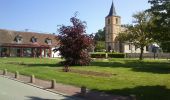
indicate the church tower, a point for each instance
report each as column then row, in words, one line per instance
column 113, row 28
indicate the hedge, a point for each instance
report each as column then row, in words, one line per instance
column 110, row 55
column 96, row 55
column 116, row 55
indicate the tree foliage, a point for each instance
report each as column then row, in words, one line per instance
column 99, row 46
column 99, row 40
column 124, row 36
column 161, row 11
column 139, row 33
column 100, row 35
column 74, row 43
column 165, row 46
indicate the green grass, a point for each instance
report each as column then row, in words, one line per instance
column 148, row 79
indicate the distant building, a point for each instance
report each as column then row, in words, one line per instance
column 27, row 44
column 113, row 28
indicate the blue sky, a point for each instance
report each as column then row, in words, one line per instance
column 45, row 15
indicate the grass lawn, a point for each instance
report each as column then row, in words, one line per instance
column 148, row 80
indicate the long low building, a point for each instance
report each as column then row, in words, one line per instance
column 27, row 44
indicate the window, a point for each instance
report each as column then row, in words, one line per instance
column 33, row 39
column 130, row 47
column 18, row 39
column 109, row 21
column 117, row 21
column 147, row 48
column 48, row 41
column 0, row 51
column 136, row 48
column 4, row 52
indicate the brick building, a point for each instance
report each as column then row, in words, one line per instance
column 27, row 44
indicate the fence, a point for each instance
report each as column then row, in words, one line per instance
column 149, row 55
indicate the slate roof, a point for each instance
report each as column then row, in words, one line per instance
column 112, row 11
column 8, row 37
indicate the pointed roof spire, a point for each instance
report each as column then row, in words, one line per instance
column 112, row 10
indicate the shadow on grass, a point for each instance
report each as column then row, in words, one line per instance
column 144, row 92
column 36, row 64
column 137, row 93
column 135, row 65
column 38, row 98
column 138, row 66
column 44, row 65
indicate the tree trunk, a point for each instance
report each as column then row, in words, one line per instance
column 66, row 68
column 154, row 55
column 141, row 53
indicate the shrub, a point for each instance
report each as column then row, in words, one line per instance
column 98, row 55
column 74, row 43
column 116, row 55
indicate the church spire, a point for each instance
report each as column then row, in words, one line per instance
column 112, row 10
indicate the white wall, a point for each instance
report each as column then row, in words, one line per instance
column 133, row 50
column 55, row 54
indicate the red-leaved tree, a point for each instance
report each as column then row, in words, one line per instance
column 74, row 44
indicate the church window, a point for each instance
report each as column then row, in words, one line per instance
column 109, row 21
column 130, row 47
column 135, row 47
column 117, row 21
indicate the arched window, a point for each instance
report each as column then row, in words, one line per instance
column 108, row 21
column 117, row 21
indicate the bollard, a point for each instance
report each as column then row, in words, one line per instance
column 83, row 90
column 5, row 72
column 53, row 84
column 32, row 79
column 106, row 55
column 16, row 74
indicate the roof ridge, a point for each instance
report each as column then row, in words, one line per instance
column 8, row 30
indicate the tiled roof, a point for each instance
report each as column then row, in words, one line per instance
column 9, row 37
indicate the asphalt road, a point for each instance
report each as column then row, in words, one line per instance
column 13, row 90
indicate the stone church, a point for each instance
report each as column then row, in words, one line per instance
column 113, row 27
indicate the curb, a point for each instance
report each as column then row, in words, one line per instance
column 39, row 87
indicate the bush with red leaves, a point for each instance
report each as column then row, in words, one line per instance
column 74, row 44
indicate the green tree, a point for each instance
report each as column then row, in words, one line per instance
column 100, row 35
column 124, row 36
column 139, row 32
column 165, row 46
column 99, row 39
column 99, row 45
column 161, row 29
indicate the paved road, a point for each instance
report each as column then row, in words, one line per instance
column 13, row 90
